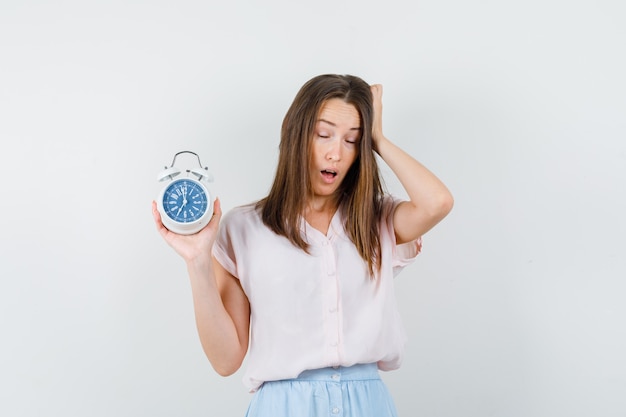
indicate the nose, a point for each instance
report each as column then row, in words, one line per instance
column 333, row 153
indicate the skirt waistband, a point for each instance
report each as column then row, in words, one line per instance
column 359, row 372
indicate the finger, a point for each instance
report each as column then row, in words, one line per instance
column 155, row 213
column 217, row 207
column 217, row 211
column 377, row 90
column 163, row 231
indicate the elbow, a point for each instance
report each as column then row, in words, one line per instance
column 446, row 203
column 441, row 206
column 225, row 359
column 225, row 369
column 225, row 364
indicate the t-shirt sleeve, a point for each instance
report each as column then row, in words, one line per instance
column 403, row 254
column 224, row 248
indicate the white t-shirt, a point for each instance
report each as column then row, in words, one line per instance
column 311, row 311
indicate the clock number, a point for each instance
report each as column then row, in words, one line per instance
column 185, row 202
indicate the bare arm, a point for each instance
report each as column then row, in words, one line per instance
column 221, row 308
column 429, row 199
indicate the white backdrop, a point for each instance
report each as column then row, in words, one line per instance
column 515, row 308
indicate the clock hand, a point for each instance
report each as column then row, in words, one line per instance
column 184, row 192
column 184, row 200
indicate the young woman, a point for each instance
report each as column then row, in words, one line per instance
column 302, row 281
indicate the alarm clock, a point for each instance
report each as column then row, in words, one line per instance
column 185, row 203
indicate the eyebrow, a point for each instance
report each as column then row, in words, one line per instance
column 334, row 125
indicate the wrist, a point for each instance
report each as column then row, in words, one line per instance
column 379, row 142
column 199, row 262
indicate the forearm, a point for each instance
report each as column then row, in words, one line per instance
column 429, row 199
column 216, row 328
column 424, row 189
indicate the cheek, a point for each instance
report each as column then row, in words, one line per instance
column 352, row 154
column 313, row 153
column 316, row 158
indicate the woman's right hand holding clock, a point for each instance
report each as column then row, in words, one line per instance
column 221, row 307
column 191, row 247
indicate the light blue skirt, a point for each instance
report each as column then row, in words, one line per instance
column 355, row 391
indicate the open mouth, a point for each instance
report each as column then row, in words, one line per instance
column 327, row 173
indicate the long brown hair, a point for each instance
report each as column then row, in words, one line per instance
column 360, row 193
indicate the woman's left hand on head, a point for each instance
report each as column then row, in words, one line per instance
column 377, row 122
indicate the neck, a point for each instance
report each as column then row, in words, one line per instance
column 320, row 205
column 319, row 212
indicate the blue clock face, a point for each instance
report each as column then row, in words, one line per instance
column 185, row 201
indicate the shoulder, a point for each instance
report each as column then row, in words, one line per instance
column 238, row 226
column 246, row 215
column 404, row 253
column 389, row 204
